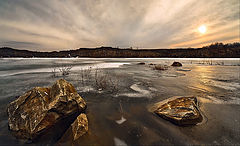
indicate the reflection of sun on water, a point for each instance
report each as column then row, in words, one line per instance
column 205, row 72
column 204, row 75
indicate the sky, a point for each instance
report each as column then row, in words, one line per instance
column 47, row 25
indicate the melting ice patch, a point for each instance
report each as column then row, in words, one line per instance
column 212, row 99
column 198, row 88
column 85, row 89
column 122, row 120
column 171, row 73
column 227, row 86
column 224, row 85
column 100, row 65
column 183, row 69
column 137, row 88
column 141, row 92
column 119, row 142
column 74, row 68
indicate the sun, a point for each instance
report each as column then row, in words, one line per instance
column 202, row 29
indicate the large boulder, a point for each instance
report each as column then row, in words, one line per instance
column 181, row 111
column 176, row 64
column 79, row 126
column 40, row 108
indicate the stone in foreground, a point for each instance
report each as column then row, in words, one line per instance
column 79, row 126
column 40, row 108
column 141, row 63
column 180, row 111
column 176, row 64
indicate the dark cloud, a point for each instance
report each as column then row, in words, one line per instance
column 16, row 44
column 64, row 24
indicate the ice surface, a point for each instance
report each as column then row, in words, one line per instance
column 74, row 68
column 141, row 92
column 122, row 120
column 225, row 85
column 216, row 86
column 212, row 99
column 119, row 142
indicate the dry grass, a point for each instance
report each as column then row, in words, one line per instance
column 85, row 74
column 63, row 70
column 210, row 62
column 54, row 72
column 102, row 80
column 105, row 81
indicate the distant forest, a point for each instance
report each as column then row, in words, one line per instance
column 216, row 50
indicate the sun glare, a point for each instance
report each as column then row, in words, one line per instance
column 202, row 29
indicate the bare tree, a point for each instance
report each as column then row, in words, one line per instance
column 65, row 70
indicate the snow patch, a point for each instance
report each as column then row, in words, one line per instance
column 122, row 120
column 140, row 92
column 227, row 86
column 85, row 89
column 119, row 142
column 74, row 68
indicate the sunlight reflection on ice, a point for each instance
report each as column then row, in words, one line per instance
column 74, row 68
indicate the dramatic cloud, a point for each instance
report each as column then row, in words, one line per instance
column 47, row 25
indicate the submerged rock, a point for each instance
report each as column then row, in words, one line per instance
column 160, row 67
column 40, row 108
column 176, row 64
column 141, row 63
column 181, row 111
column 152, row 64
column 79, row 126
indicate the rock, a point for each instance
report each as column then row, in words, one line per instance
column 141, row 63
column 79, row 126
column 152, row 64
column 40, row 108
column 160, row 67
column 176, row 64
column 181, row 111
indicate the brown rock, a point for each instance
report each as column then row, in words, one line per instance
column 181, row 111
column 152, row 64
column 40, row 108
column 160, row 67
column 79, row 126
column 141, row 63
column 176, row 64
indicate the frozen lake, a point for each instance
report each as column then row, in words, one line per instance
column 118, row 111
